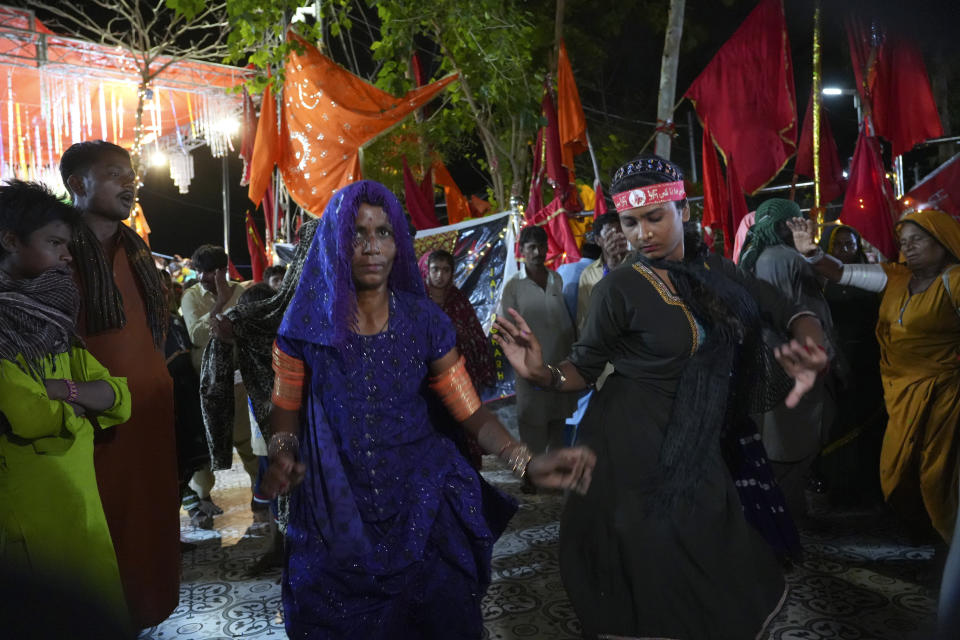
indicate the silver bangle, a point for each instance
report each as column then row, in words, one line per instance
column 283, row 442
column 557, row 379
column 520, row 457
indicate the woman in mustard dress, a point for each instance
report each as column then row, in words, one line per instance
column 919, row 335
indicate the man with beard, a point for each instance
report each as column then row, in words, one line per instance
column 123, row 318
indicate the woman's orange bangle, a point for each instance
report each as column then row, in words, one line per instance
column 456, row 391
column 288, row 383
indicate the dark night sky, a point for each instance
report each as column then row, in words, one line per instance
column 182, row 222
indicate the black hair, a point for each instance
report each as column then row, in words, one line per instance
column 209, row 257
column 256, row 293
column 165, row 276
column 533, row 233
column 27, row 206
column 644, row 170
column 79, row 156
column 610, row 217
column 274, row 270
column 591, row 251
column 440, row 255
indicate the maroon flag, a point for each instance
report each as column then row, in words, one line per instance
column 716, row 204
column 868, row 205
column 904, row 111
column 599, row 201
column 258, row 254
column 939, row 190
column 746, row 97
column 419, row 199
column 831, row 171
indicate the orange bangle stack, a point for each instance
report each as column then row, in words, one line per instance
column 288, row 383
column 456, row 391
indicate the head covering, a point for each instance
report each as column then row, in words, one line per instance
column 940, row 225
column 324, row 306
column 829, row 235
column 424, row 265
column 763, row 233
column 37, row 317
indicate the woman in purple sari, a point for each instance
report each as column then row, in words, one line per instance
column 391, row 531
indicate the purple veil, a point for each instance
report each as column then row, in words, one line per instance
column 324, row 305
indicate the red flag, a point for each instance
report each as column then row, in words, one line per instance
column 746, row 96
column 738, row 204
column 573, row 124
column 258, row 253
column 868, row 205
column 904, row 111
column 939, row 190
column 419, row 203
column 831, row 171
column 716, row 203
column 599, row 200
column 457, row 207
column 559, row 179
column 561, row 243
column 232, row 272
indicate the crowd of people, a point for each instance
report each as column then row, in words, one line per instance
column 685, row 405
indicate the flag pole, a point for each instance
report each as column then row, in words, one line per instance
column 817, row 96
column 593, row 159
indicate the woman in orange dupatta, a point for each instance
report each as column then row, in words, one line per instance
column 919, row 335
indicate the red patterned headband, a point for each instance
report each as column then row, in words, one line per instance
column 650, row 195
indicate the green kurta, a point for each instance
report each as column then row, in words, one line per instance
column 51, row 519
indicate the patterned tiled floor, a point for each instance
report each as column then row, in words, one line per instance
column 861, row 580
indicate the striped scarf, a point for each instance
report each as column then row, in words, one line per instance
column 104, row 304
column 37, row 317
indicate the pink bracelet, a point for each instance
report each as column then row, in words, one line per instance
column 73, row 393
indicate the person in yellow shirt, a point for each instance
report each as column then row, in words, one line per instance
column 53, row 396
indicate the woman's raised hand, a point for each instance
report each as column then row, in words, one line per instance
column 804, row 231
column 519, row 345
column 568, row 468
column 803, row 363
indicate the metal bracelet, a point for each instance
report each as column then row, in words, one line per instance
column 283, row 442
column 520, row 457
column 557, row 379
column 73, row 393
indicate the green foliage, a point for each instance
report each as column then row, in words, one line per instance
column 491, row 43
column 189, row 9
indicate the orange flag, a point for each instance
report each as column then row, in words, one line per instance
column 457, row 207
column 573, row 124
column 328, row 115
column 266, row 149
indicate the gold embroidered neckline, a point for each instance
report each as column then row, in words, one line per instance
column 672, row 299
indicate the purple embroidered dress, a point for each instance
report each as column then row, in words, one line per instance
column 389, row 534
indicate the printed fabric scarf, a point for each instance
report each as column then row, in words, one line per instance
column 104, row 304
column 37, row 317
column 255, row 327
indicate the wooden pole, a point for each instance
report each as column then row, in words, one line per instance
column 668, row 76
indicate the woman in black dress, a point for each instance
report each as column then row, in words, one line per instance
column 660, row 546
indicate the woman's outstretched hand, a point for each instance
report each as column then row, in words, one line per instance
column 803, row 363
column 283, row 474
column 520, row 346
column 804, row 231
column 568, row 468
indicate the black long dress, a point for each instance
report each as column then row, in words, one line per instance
column 696, row 574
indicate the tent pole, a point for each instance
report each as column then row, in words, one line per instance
column 226, row 205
